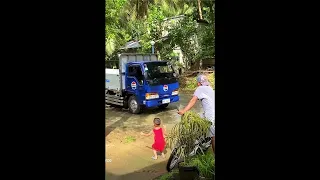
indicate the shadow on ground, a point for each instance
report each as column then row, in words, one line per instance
column 153, row 172
column 147, row 173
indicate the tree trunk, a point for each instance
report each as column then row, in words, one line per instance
column 199, row 6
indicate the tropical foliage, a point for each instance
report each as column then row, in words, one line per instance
column 147, row 20
column 205, row 164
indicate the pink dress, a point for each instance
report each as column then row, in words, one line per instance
column 159, row 142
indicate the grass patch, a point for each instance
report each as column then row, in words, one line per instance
column 190, row 83
column 168, row 176
column 129, row 139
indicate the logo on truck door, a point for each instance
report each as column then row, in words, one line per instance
column 133, row 85
column 165, row 87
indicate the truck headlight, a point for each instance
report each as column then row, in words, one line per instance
column 175, row 92
column 152, row 95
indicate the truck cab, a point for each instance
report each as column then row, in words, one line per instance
column 146, row 84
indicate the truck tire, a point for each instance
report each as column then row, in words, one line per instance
column 163, row 106
column 134, row 106
column 125, row 103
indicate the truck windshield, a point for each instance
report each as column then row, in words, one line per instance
column 159, row 73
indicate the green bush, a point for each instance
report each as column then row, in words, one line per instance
column 186, row 132
column 211, row 78
column 190, row 84
column 190, row 128
column 205, row 163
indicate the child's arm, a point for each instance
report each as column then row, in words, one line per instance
column 144, row 134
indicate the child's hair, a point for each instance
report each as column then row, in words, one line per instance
column 157, row 121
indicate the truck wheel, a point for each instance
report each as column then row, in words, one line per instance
column 125, row 103
column 163, row 106
column 134, row 106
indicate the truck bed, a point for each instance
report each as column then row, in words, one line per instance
column 113, row 79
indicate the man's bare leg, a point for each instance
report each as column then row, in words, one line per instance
column 212, row 141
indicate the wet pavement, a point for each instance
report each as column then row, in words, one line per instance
column 134, row 159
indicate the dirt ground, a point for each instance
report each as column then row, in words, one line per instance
column 129, row 152
column 131, row 160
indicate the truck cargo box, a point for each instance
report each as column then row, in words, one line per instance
column 112, row 79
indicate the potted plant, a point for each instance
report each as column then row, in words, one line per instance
column 184, row 138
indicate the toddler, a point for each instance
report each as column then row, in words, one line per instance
column 159, row 142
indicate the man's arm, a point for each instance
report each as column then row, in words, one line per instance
column 191, row 103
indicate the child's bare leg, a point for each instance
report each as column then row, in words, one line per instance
column 155, row 155
column 162, row 154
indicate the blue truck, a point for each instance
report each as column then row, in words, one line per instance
column 141, row 81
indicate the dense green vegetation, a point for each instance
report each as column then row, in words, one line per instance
column 186, row 132
column 189, row 83
column 204, row 162
column 147, row 20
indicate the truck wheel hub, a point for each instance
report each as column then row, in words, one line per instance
column 133, row 105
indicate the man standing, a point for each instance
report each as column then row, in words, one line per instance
column 206, row 95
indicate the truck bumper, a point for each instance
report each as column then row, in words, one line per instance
column 158, row 102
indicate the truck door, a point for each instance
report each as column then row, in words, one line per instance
column 135, row 81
